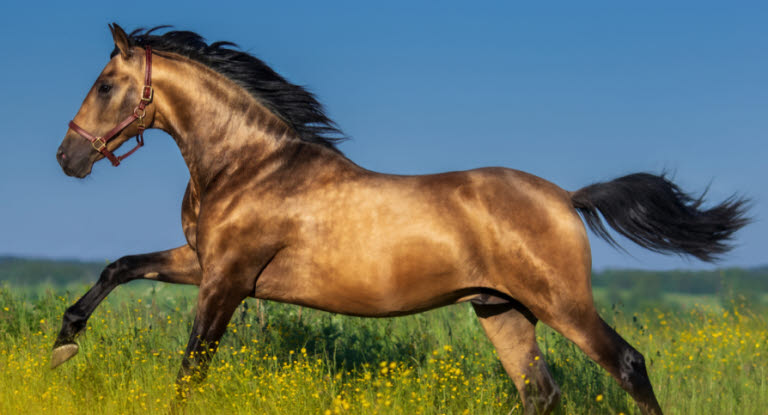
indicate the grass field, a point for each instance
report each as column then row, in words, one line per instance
column 281, row 359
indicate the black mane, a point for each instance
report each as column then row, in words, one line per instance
column 292, row 103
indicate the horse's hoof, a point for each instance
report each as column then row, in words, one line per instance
column 63, row 353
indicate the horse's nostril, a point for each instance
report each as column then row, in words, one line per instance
column 60, row 155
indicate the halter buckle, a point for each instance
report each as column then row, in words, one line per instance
column 98, row 144
column 147, row 93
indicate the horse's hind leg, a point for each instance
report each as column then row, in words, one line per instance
column 178, row 266
column 511, row 329
column 603, row 345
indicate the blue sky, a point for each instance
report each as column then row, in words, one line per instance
column 574, row 93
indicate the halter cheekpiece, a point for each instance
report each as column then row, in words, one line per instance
column 100, row 143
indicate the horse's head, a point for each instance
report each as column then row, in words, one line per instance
column 111, row 102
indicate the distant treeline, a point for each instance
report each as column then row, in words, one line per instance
column 753, row 280
column 685, row 282
column 24, row 271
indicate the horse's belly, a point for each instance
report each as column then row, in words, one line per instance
column 388, row 287
column 366, row 304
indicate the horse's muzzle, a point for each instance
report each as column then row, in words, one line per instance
column 73, row 162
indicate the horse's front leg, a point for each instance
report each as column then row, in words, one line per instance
column 216, row 302
column 179, row 266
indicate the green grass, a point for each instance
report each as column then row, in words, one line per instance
column 281, row 359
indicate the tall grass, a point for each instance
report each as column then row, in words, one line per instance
column 281, row 359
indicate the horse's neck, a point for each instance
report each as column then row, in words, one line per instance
column 215, row 123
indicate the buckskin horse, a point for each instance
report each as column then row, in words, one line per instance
column 273, row 210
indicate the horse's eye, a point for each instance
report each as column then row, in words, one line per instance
column 105, row 88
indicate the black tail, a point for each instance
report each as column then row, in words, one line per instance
column 655, row 214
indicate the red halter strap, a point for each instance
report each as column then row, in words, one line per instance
column 100, row 143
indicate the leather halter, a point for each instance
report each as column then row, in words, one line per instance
column 100, row 143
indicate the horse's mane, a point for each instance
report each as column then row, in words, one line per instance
column 292, row 103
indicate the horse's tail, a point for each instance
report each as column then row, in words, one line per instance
column 655, row 214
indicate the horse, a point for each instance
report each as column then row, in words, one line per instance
column 273, row 210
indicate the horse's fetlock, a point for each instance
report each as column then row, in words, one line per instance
column 639, row 360
column 555, row 396
column 542, row 396
column 74, row 317
column 632, row 360
column 72, row 324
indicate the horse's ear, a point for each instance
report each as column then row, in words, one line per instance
column 121, row 40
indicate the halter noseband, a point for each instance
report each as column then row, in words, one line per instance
column 100, row 143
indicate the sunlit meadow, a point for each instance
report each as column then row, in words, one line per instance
column 282, row 359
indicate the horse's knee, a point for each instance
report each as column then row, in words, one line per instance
column 117, row 272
